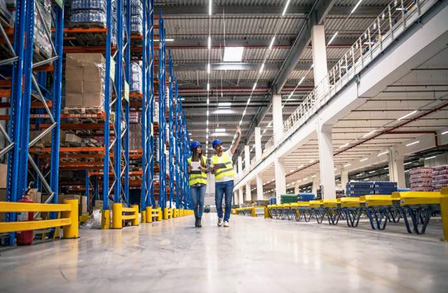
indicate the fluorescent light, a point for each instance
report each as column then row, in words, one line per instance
column 233, row 54
column 344, row 145
column 208, row 68
column 314, row 176
column 210, row 2
column 408, row 163
column 312, row 161
column 356, row 6
column 407, row 115
column 207, row 112
column 300, row 167
column 225, row 104
column 365, row 159
column 412, row 143
column 306, row 178
column 443, row 133
column 241, row 122
column 208, row 86
column 207, row 122
column 254, row 87
column 209, row 42
column 300, row 82
column 248, row 101
column 291, row 170
column 286, row 7
column 169, row 40
column 272, row 43
column 387, row 168
column 261, row 68
column 221, row 134
column 347, row 165
column 208, row 101
column 224, row 111
column 430, row 158
column 383, row 153
column 369, row 134
column 220, row 130
column 332, row 38
column 371, row 172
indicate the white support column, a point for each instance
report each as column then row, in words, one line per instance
column 259, row 187
column 396, row 168
column 296, row 188
column 277, row 117
column 248, row 192
column 241, row 197
column 240, row 167
column 344, row 179
column 315, row 187
column 258, row 143
column 326, row 163
column 319, row 53
column 247, row 157
column 235, row 197
column 280, row 179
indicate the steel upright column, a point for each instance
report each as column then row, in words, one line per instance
column 162, row 114
column 151, row 93
column 144, row 130
column 170, row 131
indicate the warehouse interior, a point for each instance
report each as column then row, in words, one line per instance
column 337, row 111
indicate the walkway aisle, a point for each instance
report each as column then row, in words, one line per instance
column 253, row 255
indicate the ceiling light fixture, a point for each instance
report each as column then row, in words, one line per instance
column 407, row 115
column 209, row 42
column 356, row 6
column 224, row 104
column 369, row 134
column 208, row 86
column 332, row 38
column 430, row 158
column 344, row 145
column 254, row 87
column 261, row 68
column 408, row 163
column 363, row 160
column 347, row 165
column 443, row 133
column 208, row 68
column 272, row 43
column 286, row 7
column 412, row 143
column 220, row 130
column 383, row 153
column 210, row 2
column 233, row 54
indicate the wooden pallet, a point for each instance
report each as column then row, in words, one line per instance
column 83, row 110
column 87, row 25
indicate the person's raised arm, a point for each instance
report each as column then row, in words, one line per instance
column 237, row 140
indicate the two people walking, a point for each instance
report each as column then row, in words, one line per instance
column 222, row 168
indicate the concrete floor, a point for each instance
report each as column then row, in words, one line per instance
column 253, row 255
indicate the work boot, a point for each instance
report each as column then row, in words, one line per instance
column 196, row 223
column 199, row 223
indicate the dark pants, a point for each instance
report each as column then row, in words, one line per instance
column 221, row 189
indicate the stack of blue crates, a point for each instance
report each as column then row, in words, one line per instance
column 305, row 196
column 361, row 188
column 272, row 200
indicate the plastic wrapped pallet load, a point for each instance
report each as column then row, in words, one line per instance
column 440, row 177
column 421, row 179
column 84, row 81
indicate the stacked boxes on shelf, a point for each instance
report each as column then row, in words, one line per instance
column 88, row 12
column 440, row 177
column 136, row 78
column 42, row 25
column 288, row 198
column 361, row 188
column 84, row 81
column 137, row 17
column 421, row 179
column 135, row 136
column 305, row 196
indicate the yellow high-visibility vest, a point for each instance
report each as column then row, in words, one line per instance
column 197, row 178
column 221, row 172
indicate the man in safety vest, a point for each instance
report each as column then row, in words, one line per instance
column 222, row 167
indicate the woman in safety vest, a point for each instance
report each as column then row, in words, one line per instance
column 224, row 175
column 197, row 167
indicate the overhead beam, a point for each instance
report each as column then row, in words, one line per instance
column 170, row 11
column 201, row 66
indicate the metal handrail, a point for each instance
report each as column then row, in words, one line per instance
column 380, row 34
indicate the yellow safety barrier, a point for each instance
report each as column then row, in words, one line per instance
column 153, row 215
column 143, row 216
column 105, row 219
column 69, row 219
column 167, row 213
column 120, row 214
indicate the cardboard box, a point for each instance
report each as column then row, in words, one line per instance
column 3, row 175
column 72, row 138
column 47, row 138
column 35, row 195
column 84, row 80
